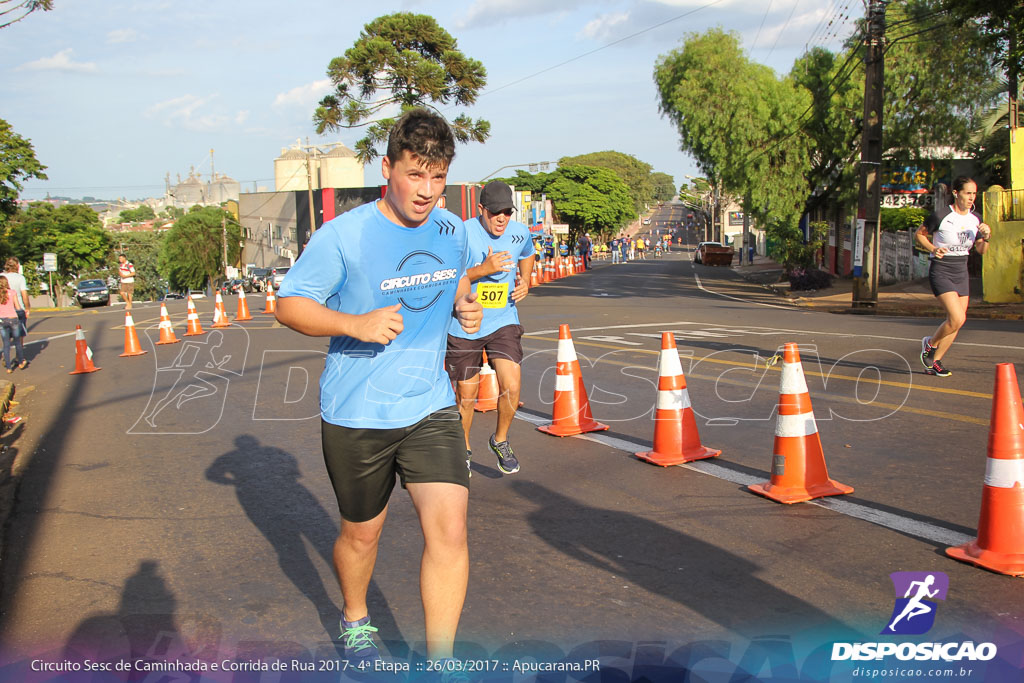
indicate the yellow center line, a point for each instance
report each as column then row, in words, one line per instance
column 777, row 368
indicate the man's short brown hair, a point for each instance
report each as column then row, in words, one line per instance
column 11, row 264
column 423, row 134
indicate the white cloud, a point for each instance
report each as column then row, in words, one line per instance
column 59, row 62
column 122, row 35
column 304, row 95
column 602, row 27
column 488, row 13
column 195, row 113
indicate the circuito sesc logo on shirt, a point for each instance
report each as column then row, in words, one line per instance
column 421, row 280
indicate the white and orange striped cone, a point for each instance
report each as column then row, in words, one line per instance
column 534, row 280
column 487, row 394
column 559, row 268
column 798, row 463
column 131, row 337
column 243, row 308
column 549, row 271
column 271, row 308
column 999, row 546
column 194, row 327
column 571, row 414
column 220, row 317
column 166, row 328
column 83, row 354
column 675, row 428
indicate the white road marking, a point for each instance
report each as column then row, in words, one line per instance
column 46, row 339
column 912, row 527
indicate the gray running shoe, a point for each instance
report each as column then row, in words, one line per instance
column 507, row 461
column 927, row 351
column 359, row 643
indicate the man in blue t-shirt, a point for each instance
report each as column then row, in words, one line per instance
column 502, row 253
column 384, row 281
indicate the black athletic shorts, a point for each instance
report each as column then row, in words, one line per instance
column 362, row 463
column 465, row 356
column 949, row 274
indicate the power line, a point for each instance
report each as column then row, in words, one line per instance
column 766, row 11
column 784, row 27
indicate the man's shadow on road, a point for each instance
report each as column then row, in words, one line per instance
column 266, row 481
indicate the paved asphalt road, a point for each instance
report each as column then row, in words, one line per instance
column 174, row 506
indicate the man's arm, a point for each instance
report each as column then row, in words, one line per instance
column 312, row 318
column 494, row 263
column 523, row 285
column 467, row 310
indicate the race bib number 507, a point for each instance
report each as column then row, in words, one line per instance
column 492, row 294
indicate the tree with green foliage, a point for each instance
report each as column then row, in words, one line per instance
column 589, row 199
column 901, row 219
column 412, row 62
column 193, row 250
column 18, row 163
column 633, row 172
column 171, row 212
column 663, row 186
column 137, row 215
column 72, row 231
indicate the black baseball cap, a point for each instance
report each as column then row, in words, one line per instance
column 497, row 197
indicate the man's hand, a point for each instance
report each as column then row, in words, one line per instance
column 521, row 290
column 500, row 262
column 380, row 326
column 469, row 312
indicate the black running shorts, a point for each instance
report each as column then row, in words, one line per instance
column 362, row 463
column 949, row 274
column 465, row 356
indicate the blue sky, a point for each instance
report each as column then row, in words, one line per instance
column 115, row 94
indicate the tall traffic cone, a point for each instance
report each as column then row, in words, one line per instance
column 487, row 394
column 220, row 317
column 798, row 463
column 194, row 326
column 571, row 413
column 166, row 329
column 999, row 546
column 243, row 307
column 534, row 280
column 131, row 337
column 83, row 354
column 271, row 300
column 675, row 428
column 549, row 271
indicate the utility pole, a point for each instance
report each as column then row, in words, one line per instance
column 865, row 284
column 309, row 185
column 224, row 243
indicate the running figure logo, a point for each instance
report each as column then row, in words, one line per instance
column 914, row 612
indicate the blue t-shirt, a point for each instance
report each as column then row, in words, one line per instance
column 517, row 242
column 359, row 262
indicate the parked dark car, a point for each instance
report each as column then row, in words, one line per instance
column 92, row 293
column 231, row 286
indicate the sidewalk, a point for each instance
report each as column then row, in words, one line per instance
column 912, row 298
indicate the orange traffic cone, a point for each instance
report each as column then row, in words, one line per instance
column 549, row 271
column 675, row 428
column 571, row 413
column 131, row 337
column 798, row 463
column 243, row 307
column 999, row 546
column 220, row 317
column 534, row 280
column 83, row 354
column 166, row 329
column 487, row 395
column 194, row 326
column 271, row 300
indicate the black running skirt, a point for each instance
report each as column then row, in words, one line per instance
column 949, row 274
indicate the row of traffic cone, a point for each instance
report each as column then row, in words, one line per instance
column 798, row 471
column 555, row 269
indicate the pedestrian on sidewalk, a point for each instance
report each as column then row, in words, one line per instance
column 500, row 277
column 948, row 235
column 10, row 326
column 384, row 281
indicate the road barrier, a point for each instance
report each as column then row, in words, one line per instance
column 675, row 427
column 798, row 462
column 999, row 546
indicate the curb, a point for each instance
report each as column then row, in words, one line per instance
column 6, row 394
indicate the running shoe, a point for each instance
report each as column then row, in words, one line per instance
column 360, row 646
column 937, row 369
column 927, row 351
column 507, row 461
